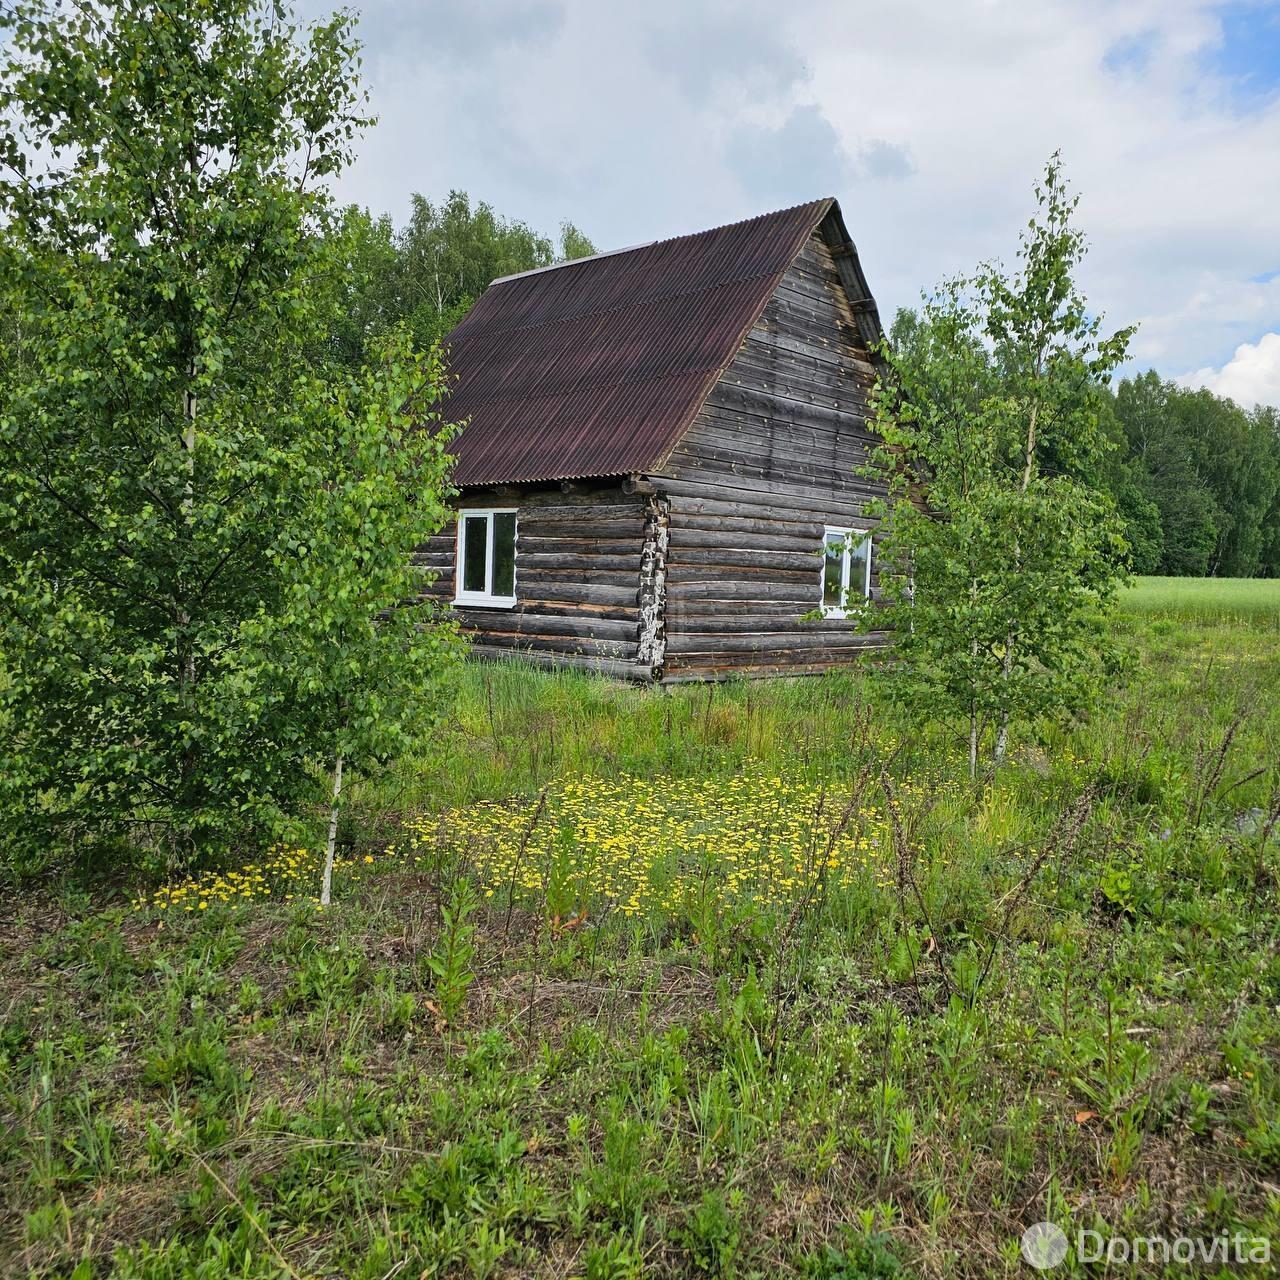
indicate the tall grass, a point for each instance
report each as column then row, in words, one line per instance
column 1253, row 600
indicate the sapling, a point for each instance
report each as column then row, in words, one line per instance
column 1000, row 548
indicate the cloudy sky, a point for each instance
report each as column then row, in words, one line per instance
column 929, row 119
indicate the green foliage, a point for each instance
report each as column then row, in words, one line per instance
column 200, row 531
column 1000, row 553
column 450, row 962
column 427, row 274
column 1123, row 476
column 1117, row 888
column 711, row 1236
column 1212, row 473
column 869, row 1257
column 616, row 1259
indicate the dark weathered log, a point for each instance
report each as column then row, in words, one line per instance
column 809, row 527
column 772, row 643
column 756, row 620
column 771, row 404
column 563, row 562
column 799, row 591
column 585, row 528
column 745, row 490
column 559, row 648
column 553, row 504
column 518, row 623
column 759, row 433
column 764, row 366
column 767, row 543
column 763, row 430
column 755, row 504
column 574, row 591
column 615, row 668
column 770, row 562
column 824, row 475
column 808, row 354
column 681, row 610
column 532, row 607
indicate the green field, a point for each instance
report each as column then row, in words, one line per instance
column 1254, row 598
column 744, row 980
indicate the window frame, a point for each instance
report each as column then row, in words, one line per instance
column 831, row 534
column 484, row 599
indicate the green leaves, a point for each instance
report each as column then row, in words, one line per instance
column 1212, row 473
column 200, row 533
column 1004, row 548
column 427, row 274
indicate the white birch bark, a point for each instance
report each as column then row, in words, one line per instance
column 326, row 885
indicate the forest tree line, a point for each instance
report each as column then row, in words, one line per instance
column 426, row 274
column 1197, row 480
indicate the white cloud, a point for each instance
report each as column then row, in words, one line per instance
column 930, row 121
column 1251, row 377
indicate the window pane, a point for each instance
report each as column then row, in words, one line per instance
column 832, row 592
column 858, row 568
column 475, row 550
column 504, row 554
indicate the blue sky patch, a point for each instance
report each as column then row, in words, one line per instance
column 1249, row 53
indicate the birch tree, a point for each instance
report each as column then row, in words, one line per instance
column 1001, row 550
column 199, row 531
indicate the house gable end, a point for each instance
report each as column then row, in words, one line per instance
column 770, row 464
column 791, row 409
column 597, row 367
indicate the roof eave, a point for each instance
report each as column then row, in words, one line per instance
column 848, row 264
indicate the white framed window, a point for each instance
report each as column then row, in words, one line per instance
column 485, row 572
column 846, row 569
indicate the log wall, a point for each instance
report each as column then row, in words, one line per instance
column 579, row 588
column 767, row 465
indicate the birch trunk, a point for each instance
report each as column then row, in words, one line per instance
column 188, row 512
column 326, row 885
column 1002, row 734
column 973, row 699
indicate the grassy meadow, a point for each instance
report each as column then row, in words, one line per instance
column 1257, row 599
column 746, row 980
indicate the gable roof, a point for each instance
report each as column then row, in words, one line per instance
column 598, row 366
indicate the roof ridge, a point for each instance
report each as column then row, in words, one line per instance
column 649, row 244
column 570, row 262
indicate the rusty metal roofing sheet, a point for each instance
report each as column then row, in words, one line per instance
column 597, row 367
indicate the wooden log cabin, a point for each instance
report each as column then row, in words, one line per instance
column 657, row 476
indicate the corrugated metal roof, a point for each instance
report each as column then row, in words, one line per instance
column 597, row 367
